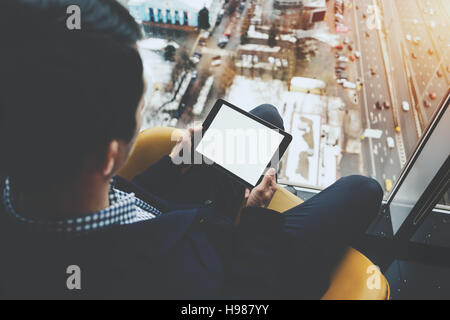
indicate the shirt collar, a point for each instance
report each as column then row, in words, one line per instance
column 124, row 208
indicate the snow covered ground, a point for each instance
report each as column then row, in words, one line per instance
column 156, row 69
column 157, row 73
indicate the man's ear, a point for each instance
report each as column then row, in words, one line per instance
column 111, row 158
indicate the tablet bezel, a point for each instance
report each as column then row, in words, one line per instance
column 287, row 138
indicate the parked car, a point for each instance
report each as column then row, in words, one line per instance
column 222, row 42
column 427, row 103
column 216, row 63
column 386, row 105
column 349, row 85
column 432, row 95
column 416, row 40
column 342, row 58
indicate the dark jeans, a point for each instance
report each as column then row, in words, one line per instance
column 318, row 231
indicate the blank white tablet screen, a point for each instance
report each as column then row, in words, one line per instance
column 239, row 144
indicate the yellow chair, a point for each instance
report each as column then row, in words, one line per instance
column 351, row 277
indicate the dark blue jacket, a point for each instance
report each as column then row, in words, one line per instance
column 187, row 253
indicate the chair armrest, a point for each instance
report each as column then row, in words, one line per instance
column 284, row 200
column 151, row 145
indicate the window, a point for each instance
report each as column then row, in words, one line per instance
column 357, row 89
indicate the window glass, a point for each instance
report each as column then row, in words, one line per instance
column 356, row 82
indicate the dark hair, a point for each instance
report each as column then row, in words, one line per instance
column 64, row 94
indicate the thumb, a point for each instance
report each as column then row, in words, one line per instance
column 269, row 178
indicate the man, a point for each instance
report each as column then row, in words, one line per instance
column 71, row 104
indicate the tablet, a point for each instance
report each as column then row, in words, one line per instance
column 239, row 143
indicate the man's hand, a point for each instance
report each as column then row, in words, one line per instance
column 262, row 194
column 182, row 150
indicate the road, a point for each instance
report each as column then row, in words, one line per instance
column 416, row 23
column 410, row 127
column 379, row 160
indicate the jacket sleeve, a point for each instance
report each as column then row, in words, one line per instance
column 159, row 177
column 257, row 254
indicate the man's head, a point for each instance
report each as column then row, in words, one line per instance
column 70, row 100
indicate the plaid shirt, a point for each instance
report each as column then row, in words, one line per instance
column 124, row 208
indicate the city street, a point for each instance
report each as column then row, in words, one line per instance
column 408, row 121
column 379, row 160
column 426, row 64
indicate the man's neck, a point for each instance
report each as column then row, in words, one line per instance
column 70, row 201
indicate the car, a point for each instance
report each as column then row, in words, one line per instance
column 352, row 57
column 386, row 105
column 349, row 47
column 408, row 37
column 426, row 103
column 439, row 73
column 222, row 42
column 378, row 105
column 342, row 59
column 339, row 47
column 346, row 40
column 341, row 65
column 341, row 75
column 372, row 72
column 430, row 51
column 405, row 105
column 218, row 57
column 390, row 142
column 357, row 54
column 195, row 59
column 416, row 40
column 413, row 55
column 432, row 95
column 216, row 63
column 341, row 80
column 349, row 85
column 366, row 34
column 388, row 185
